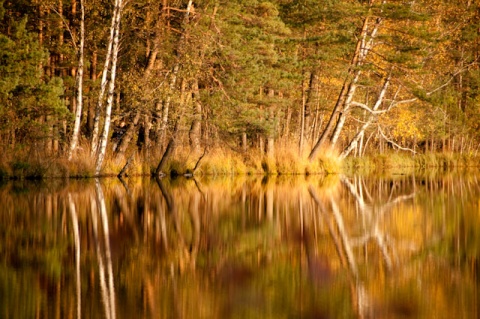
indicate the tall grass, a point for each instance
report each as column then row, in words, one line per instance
column 224, row 161
column 288, row 160
column 218, row 161
column 405, row 162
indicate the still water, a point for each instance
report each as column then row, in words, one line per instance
column 400, row 246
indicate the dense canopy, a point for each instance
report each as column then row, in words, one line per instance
column 147, row 78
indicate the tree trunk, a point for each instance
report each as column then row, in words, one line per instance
column 271, row 134
column 166, row 106
column 172, row 143
column 244, row 142
column 302, row 117
column 337, row 118
column 91, row 105
column 78, row 111
column 147, row 125
column 342, row 117
column 311, row 101
column 127, row 136
column 286, row 130
column 168, row 151
column 195, row 129
column 261, row 144
column 270, row 147
column 103, row 83
column 111, row 89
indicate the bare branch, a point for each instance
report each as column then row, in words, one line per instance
column 395, row 144
column 365, row 107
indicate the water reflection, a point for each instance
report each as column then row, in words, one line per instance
column 103, row 251
column 76, row 236
column 282, row 247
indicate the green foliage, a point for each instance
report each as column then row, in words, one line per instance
column 400, row 11
column 26, row 97
column 252, row 61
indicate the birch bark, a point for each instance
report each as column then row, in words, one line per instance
column 78, row 112
column 354, row 142
column 338, row 116
column 103, row 83
column 365, row 48
column 343, row 93
column 102, row 147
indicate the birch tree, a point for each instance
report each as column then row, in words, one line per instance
column 102, row 147
column 103, row 83
column 79, row 84
column 338, row 116
column 372, row 115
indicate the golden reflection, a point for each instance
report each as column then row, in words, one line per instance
column 76, row 236
column 103, row 255
column 257, row 247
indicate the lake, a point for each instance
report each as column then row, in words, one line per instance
column 383, row 246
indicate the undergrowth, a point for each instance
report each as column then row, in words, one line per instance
column 224, row 161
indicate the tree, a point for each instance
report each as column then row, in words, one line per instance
column 115, row 25
column 79, row 84
column 28, row 101
column 247, row 76
column 250, row 71
column 102, row 147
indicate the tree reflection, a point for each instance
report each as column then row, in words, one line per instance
column 333, row 246
column 76, row 236
column 370, row 212
column 103, row 251
column 371, row 216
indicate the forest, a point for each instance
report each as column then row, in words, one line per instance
column 99, row 87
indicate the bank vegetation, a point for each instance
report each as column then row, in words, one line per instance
column 91, row 88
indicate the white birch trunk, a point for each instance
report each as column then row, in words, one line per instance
column 343, row 115
column 102, row 147
column 78, row 112
column 365, row 48
column 341, row 107
column 340, row 104
column 103, row 83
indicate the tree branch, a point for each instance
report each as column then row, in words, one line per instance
column 395, row 144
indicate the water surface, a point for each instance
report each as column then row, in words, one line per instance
column 401, row 246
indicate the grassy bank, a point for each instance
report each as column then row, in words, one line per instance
column 221, row 161
column 404, row 163
column 217, row 161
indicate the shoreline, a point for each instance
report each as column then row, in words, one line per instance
column 244, row 164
